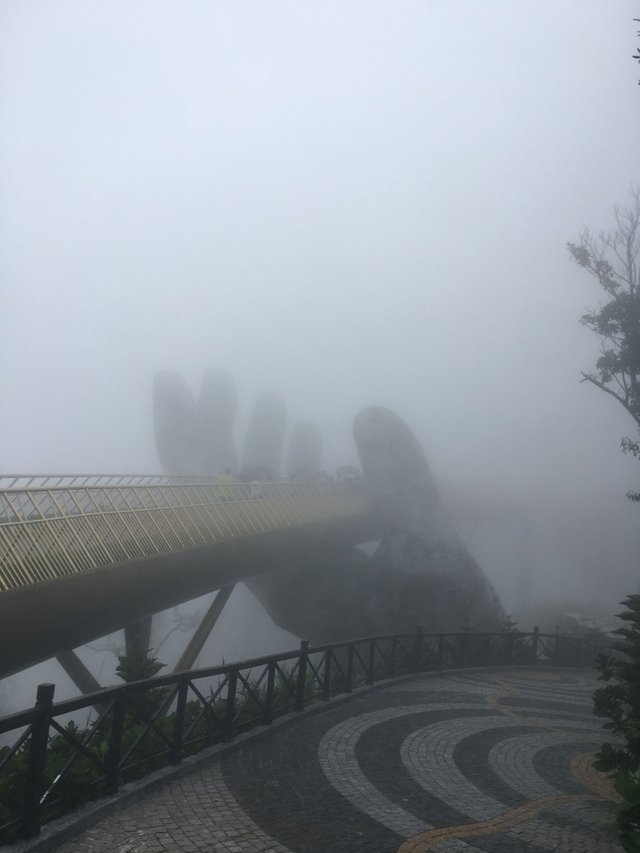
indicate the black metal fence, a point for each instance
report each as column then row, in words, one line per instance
column 54, row 765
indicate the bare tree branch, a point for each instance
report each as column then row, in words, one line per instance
column 613, row 260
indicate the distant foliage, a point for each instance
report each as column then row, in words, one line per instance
column 137, row 665
column 613, row 259
column 509, row 625
column 619, row 702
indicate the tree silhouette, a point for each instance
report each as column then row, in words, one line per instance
column 613, row 259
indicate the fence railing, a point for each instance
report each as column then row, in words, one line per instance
column 51, row 527
column 19, row 482
column 54, row 765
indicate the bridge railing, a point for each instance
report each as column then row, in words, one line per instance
column 55, row 526
column 54, row 765
column 64, row 481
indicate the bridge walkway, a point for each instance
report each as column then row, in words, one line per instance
column 82, row 556
column 55, row 526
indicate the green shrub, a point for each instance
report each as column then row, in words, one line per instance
column 619, row 702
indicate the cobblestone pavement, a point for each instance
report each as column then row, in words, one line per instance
column 496, row 761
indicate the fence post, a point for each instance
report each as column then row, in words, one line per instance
column 302, row 675
column 440, row 652
column 371, row 662
column 30, row 824
column 394, row 652
column 556, row 649
column 326, row 676
column 417, row 649
column 230, row 706
column 350, row 663
column 112, row 758
column 268, row 704
column 178, row 726
column 534, row 644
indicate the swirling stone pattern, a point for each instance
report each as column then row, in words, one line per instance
column 434, row 764
column 489, row 761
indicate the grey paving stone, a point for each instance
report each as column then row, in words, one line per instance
column 367, row 775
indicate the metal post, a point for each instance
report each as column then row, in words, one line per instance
column 268, row 702
column 302, row 675
column 350, row 663
column 326, row 676
column 371, row 663
column 178, row 725
column 394, row 651
column 441, row 652
column 30, row 825
column 230, row 706
column 112, row 758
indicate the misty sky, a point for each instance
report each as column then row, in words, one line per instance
column 346, row 202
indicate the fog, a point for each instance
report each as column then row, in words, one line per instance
column 345, row 203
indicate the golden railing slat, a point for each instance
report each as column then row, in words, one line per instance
column 57, row 525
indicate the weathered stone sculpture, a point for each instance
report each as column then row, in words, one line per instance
column 265, row 435
column 217, row 408
column 420, row 573
column 174, row 416
column 305, row 452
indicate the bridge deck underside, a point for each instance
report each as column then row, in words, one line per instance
column 77, row 563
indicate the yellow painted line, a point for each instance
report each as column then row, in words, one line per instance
column 585, row 774
column 427, row 840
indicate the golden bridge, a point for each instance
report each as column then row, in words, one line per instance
column 82, row 556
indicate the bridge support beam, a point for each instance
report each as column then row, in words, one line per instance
column 204, row 629
column 97, row 602
column 79, row 674
column 137, row 635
